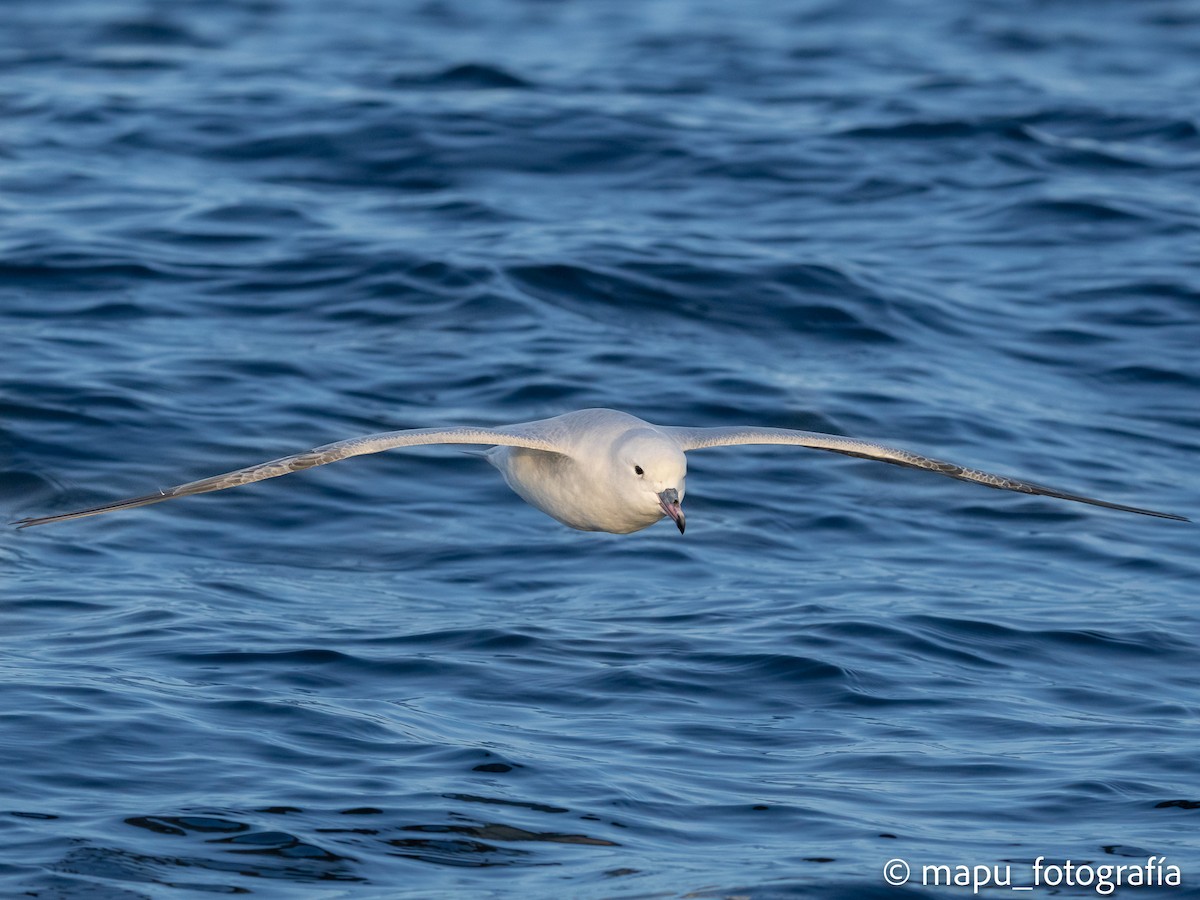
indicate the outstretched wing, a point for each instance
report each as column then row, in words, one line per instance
column 701, row 438
column 511, row 435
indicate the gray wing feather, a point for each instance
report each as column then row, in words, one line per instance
column 701, row 438
column 513, row 435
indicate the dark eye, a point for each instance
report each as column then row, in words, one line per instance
column 639, row 470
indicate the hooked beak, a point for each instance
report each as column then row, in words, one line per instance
column 669, row 501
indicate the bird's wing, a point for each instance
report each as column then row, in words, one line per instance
column 511, row 435
column 701, row 438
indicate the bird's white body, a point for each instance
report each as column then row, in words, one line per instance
column 594, row 469
column 593, row 484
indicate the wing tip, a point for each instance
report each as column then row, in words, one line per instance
column 1121, row 507
column 31, row 521
column 1166, row 515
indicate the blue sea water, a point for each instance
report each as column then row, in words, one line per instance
column 232, row 230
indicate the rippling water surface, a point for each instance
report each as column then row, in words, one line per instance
column 232, row 230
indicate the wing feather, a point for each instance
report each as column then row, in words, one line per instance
column 702, row 438
column 512, row 435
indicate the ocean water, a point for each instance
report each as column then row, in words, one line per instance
column 232, row 230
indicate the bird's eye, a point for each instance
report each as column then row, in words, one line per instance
column 639, row 470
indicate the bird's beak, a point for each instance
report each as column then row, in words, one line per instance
column 669, row 501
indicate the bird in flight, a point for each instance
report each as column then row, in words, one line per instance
column 593, row 469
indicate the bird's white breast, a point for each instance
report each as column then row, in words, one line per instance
column 568, row 490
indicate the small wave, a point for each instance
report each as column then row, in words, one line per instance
column 465, row 76
column 1142, row 374
column 150, row 31
column 934, row 129
column 780, row 298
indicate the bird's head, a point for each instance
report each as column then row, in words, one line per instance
column 651, row 475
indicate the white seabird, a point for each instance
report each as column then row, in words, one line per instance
column 594, row 469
